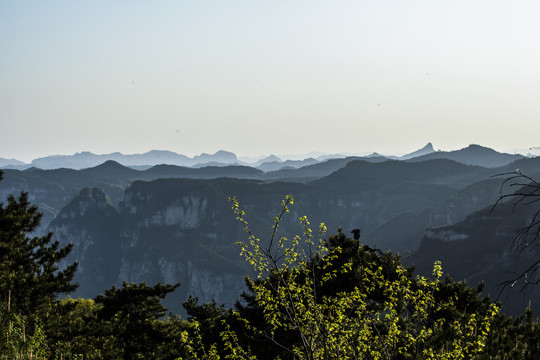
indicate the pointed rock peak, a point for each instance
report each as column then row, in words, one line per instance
column 428, row 149
column 93, row 196
column 91, row 200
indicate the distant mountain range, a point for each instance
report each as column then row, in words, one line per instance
column 172, row 223
column 6, row 163
column 84, row 160
column 472, row 155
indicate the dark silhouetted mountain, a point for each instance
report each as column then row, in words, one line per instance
column 528, row 166
column 316, row 171
column 110, row 169
column 473, row 155
column 365, row 175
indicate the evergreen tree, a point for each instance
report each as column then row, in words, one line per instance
column 29, row 274
column 30, row 279
column 75, row 332
column 131, row 315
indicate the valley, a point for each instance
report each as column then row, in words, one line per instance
column 173, row 224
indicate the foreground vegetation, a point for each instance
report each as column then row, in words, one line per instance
column 310, row 297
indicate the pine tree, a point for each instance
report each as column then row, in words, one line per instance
column 29, row 275
column 131, row 315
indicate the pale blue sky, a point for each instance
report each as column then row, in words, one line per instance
column 261, row 77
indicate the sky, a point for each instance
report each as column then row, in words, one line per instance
column 267, row 77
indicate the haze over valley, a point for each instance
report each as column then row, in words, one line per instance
column 164, row 217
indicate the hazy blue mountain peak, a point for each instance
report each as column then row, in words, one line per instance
column 7, row 162
column 428, row 149
column 270, row 158
column 374, row 154
column 220, row 156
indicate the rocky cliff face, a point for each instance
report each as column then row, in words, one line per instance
column 159, row 234
column 403, row 232
column 175, row 231
column 183, row 230
column 480, row 249
column 90, row 222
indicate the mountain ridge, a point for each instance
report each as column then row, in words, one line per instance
column 167, row 215
column 472, row 155
column 85, row 159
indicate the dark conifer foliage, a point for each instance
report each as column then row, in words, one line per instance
column 29, row 274
column 131, row 316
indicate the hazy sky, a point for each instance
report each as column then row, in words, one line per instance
column 261, row 77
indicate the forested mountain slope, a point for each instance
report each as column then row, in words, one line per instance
column 174, row 224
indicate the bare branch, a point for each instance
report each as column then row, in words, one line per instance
column 527, row 194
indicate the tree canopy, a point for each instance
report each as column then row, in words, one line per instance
column 338, row 299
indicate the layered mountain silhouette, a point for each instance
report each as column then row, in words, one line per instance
column 472, row 155
column 173, row 223
column 155, row 157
